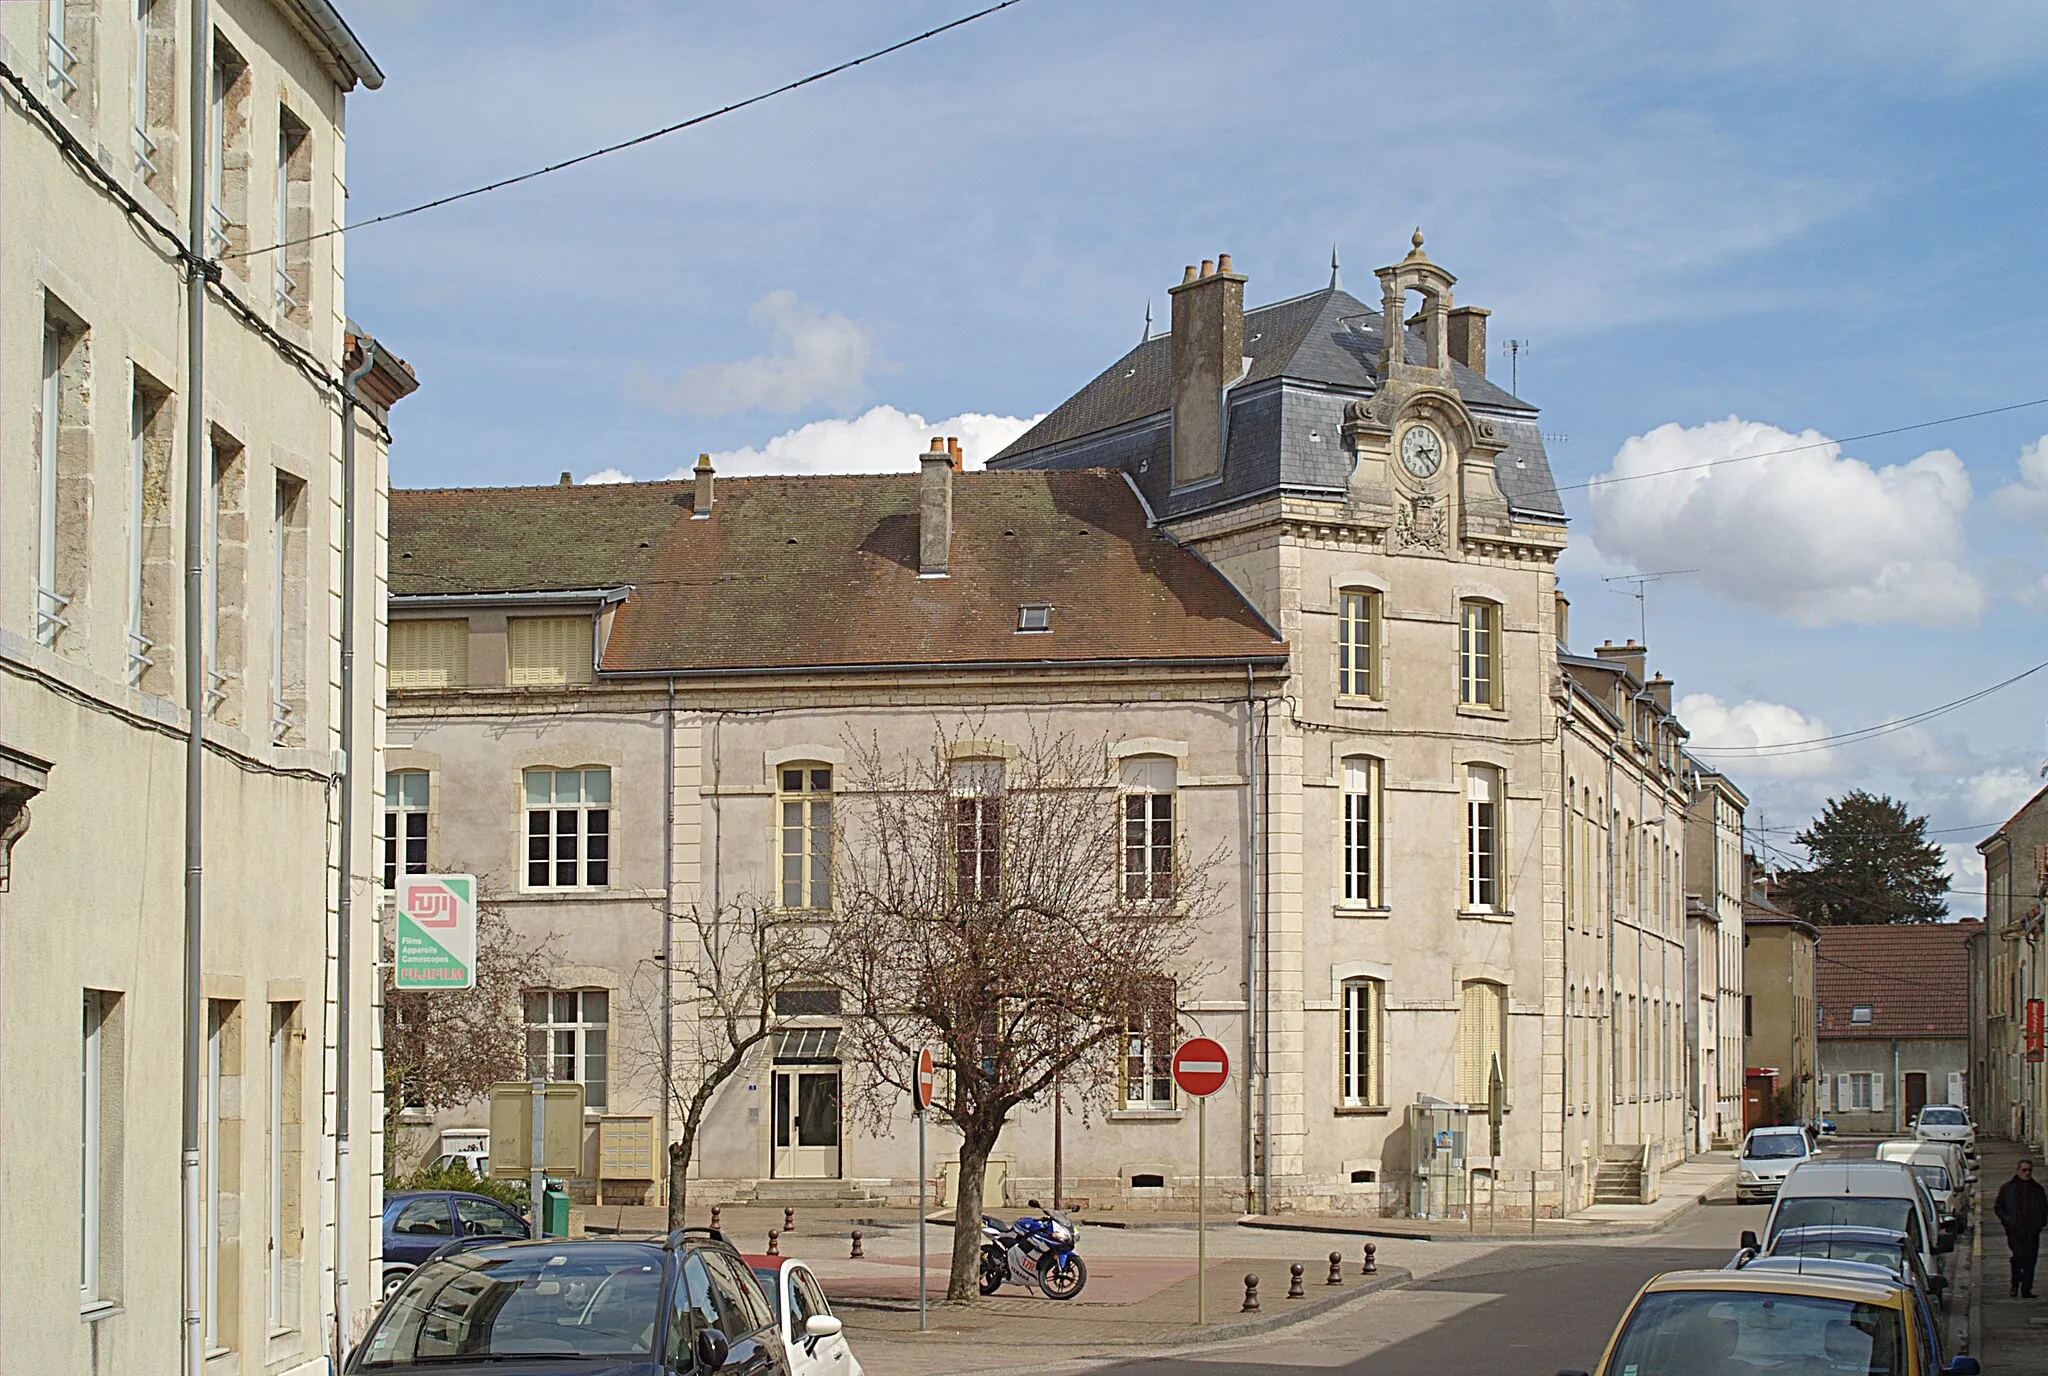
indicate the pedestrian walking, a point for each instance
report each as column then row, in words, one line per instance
column 2022, row 1207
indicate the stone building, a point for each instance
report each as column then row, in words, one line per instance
column 2010, row 1093
column 1780, row 1047
column 1894, row 1003
column 95, row 460
column 1713, row 958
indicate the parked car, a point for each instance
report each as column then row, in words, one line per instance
column 812, row 1335
column 1833, row 1316
column 1874, row 1194
column 611, row 1307
column 1940, row 1168
column 1947, row 1123
column 1767, row 1154
column 418, row 1223
column 1869, row 1246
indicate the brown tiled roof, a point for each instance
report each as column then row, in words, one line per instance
column 1914, row 975
column 801, row 572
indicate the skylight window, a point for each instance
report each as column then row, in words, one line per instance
column 1860, row 1014
column 1034, row 616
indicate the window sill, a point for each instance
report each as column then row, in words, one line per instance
column 1466, row 709
column 1358, row 704
column 1146, row 1115
column 1360, row 910
column 1486, row 915
column 1362, row 1110
column 99, row 1311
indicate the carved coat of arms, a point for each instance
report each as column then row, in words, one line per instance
column 1420, row 524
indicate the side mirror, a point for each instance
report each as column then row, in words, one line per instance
column 1748, row 1241
column 823, row 1326
column 1943, row 1243
column 1937, row 1285
column 712, row 1349
column 1962, row 1366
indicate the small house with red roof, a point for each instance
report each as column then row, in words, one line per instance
column 1894, row 1016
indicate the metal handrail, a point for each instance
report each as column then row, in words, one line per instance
column 61, row 60
column 139, row 662
column 50, row 619
column 145, row 154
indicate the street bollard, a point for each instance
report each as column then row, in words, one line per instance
column 789, row 1220
column 774, row 1243
column 1251, row 1295
column 715, row 1211
column 857, row 1254
column 1294, row 1290
column 1336, row 1269
column 1372, row 1261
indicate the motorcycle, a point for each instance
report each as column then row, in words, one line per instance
column 1037, row 1253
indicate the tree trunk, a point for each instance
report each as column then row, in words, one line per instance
column 965, row 1281
column 678, row 1182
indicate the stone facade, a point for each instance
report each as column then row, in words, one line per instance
column 1780, row 1036
column 93, row 663
column 1713, row 957
column 2010, row 1092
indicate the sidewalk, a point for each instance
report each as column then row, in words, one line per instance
column 2007, row 1334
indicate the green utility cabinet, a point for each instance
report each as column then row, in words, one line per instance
column 554, row 1217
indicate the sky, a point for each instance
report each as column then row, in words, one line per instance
column 1753, row 228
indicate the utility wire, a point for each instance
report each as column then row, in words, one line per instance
column 1815, row 743
column 638, row 139
column 1607, row 479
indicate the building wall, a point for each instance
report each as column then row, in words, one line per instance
column 96, row 894
column 1889, row 1062
column 1713, row 861
column 1778, row 974
column 2012, row 1097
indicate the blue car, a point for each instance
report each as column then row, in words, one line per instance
column 418, row 1223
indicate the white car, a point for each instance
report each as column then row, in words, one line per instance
column 812, row 1334
column 1767, row 1155
column 1947, row 1123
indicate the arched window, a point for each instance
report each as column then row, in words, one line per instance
column 1482, row 1036
column 1479, row 653
column 1358, row 644
column 804, row 809
column 1361, row 777
column 1358, row 1045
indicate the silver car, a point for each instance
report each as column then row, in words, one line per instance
column 1947, row 1123
column 1767, row 1154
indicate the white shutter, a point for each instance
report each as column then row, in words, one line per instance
column 1876, row 1093
column 1956, row 1089
column 1824, row 1093
column 1845, row 1097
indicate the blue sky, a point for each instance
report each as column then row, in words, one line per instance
column 1818, row 218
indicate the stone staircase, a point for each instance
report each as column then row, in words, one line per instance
column 802, row 1191
column 1620, row 1177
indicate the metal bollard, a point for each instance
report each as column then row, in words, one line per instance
column 1372, row 1261
column 857, row 1253
column 1294, row 1290
column 1336, row 1269
column 715, row 1211
column 789, row 1220
column 1251, row 1295
column 774, row 1243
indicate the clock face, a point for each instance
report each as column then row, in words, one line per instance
column 1422, row 452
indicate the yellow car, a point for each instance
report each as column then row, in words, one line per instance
column 1831, row 1319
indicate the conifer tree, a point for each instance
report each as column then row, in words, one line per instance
column 1870, row 862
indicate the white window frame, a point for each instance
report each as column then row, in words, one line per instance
column 804, row 836
column 216, row 1019
column 90, row 1203
column 1359, row 1044
column 216, row 677
column 587, row 871
column 1860, row 1095
column 216, row 152
column 1359, row 852
column 280, row 710
column 1485, row 881
column 58, row 57
column 1150, row 835
column 978, row 827
column 280, row 1035
column 1861, row 1014
column 1479, row 627
column 396, row 836
column 553, row 1055
column 145, row 146
column 50, row 604
column 1147, row 1067
column 285, row 285
column 1358, row 651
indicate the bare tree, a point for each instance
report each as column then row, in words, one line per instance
column 1015, row 916
column 740, row 975
column 446, row 1047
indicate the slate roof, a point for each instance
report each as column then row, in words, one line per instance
column 810, row 572
column 1325, row 340
column 1914, row 975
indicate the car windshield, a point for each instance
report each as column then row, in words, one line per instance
column 1837, row 1248
column 1733, row 1333
column 1841, row 1211
column 595, row 1299
column 1772, row 1146
column 1943, row 1117
column 1934, row 1178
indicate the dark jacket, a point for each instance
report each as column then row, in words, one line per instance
column 2022, row 1206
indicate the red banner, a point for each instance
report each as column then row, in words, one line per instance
column 2034, row 1030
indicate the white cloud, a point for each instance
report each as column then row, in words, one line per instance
column 817, row 358
column 880, row 440
column 609, row 475
column 1812, row 535
column 2028, row 498
column 1717, row 725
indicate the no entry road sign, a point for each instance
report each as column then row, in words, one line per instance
column 1200, row 1066
column 923, row 1080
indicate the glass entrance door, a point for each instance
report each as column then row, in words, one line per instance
column 807, row 1123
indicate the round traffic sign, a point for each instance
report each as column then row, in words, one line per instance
column 1200, row 1066
column 922, row 1082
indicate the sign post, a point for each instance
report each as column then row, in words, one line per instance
column 1496, row 1103
column 921, row 1083
column 436, row 945
column 1200, row 1066
column 536, row 1127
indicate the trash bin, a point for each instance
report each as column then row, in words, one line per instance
column 554, row 1217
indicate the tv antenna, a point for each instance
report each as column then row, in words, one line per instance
column 1641, row 593
column 1516, row 348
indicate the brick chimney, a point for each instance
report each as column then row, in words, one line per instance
column 1628, row 655
column 1468, row 336
column 1660, row 692
column 1564, row 620
column 935, row 506
column 1207, row 360
column 700, row 509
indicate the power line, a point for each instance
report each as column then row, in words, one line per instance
column 1607, row 479
column 1815, row 743
column 638, row 139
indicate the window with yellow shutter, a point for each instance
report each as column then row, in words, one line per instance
column 1480, row 1018
column 429, row 654
column 549, row 651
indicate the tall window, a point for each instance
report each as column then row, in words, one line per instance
column 1148, row 786
column 1482, row 1023
column 1482, row 839
column 1361, row 830
column 223, row 1191
column 294, row 149
column 64, row 473
column 406, row 799
column 49, row 604
column 567, row 1037
column 227, row 541
column 99, row 1138
column 1358, row 1056
column 806, row 807
column 1149, row 1037
column 60, row 58
column 145, row 490
column 284, row 1164
column 227, row 153
column 1358, row 639
column 145, row 146
column 1478, row 653
column 568, row 828
column 978, row 827
column 288, row 612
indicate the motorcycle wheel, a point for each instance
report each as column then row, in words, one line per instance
column 992, row 1277
column 1065, row 1281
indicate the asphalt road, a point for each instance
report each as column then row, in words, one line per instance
column 1527, row 1308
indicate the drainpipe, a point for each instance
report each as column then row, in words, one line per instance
column 198, row 482
column 668, row 923
column 1612, row 998
column 345, row 900
column 1257, row 1099
column 1898, row 1090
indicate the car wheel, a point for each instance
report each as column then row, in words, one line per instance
column 393, row 1278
